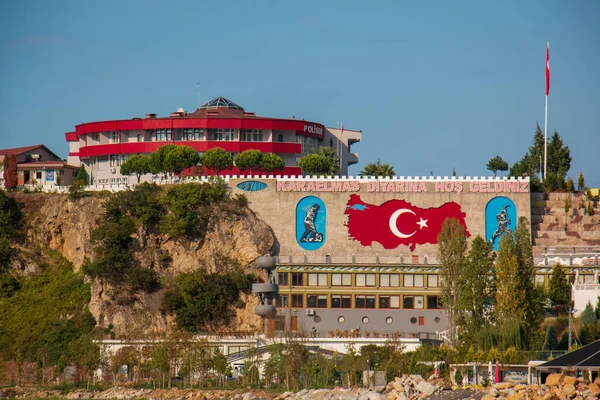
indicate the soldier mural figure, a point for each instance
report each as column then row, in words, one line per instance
column 310, row 232
column 503, row 223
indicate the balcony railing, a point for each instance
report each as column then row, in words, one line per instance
column 358, row 260
column 587, row 286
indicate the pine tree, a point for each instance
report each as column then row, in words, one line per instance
column 588, row 317
column 551, row 341
column 559, row 290
column 510, row 296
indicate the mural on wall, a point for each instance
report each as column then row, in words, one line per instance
column 50, row 175
column 251, row 186
column 311, row 222
column 398, row 222
column 500, row 217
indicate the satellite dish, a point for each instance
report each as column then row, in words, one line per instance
column 180, row 110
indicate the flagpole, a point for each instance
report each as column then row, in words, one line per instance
column 546, row 112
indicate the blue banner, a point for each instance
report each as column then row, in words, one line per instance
column 311, row 223
column 500, row 217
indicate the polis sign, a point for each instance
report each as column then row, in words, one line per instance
column 313, row 129
column 404, row 186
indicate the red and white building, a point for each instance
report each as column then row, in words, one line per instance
column 103, row 146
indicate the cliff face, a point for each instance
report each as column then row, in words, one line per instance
column 66, row 226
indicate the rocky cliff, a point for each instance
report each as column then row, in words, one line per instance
column 65, row 225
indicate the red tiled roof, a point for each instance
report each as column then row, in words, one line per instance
column 19, row 150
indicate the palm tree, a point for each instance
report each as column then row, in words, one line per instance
column 377, row 169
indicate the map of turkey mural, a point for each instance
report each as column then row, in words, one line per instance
column 398, row 222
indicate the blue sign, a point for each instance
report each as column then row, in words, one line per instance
column 252, row 186
column 311, row 223
column 50, row 175
column 500, row 217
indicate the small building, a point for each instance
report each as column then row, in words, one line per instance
column 38, row 165
column 583, row 362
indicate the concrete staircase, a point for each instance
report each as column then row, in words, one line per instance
column 555, row 231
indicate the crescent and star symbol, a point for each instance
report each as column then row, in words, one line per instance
column 394, row 223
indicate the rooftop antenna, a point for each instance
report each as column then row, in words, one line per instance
column 198, row 86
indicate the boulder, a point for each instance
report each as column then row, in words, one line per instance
column 569, row 390
column 504, row 385
column 554, row 379
column 516, row 396
column 494, row 392
column 571, row 380
column 520, row 386
column 425, row 388
column 594, row 389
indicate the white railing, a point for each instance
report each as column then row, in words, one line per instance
column 359, row 260
column 587, row 286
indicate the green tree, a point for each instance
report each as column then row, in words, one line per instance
column 377, row 169
column 86, row 356
column 10, row 171
column 558, row 162
column 559, row 290
column 551, row 340
column 180, row 158
column 497, row 164
column 530, row 164
column 324, row 161
column 157, row 159
column 202, row 300
column 217, row 159
column 581, row 182
column 82, row 176
column 597, row 309
column 588, row 317
column 314, row 164
column 249, row 160
column 272, row 162
column 452, row 248
column 509, row 295
column 137, row 165
column 476, row 287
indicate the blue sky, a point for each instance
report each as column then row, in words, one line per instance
column 433, row 85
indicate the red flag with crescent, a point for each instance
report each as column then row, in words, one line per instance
column 398, row 222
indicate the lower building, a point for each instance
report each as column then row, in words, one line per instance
column 38, row 165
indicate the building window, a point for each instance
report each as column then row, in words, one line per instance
column 114, row 137
column 282, row 300
column 539, row 279
column 163, row 135
column 433, row 303
column 222, row 134
column 432, row 281
column 297, row 279
column 251, row 135
column 341, row 279
column 283, row 278
column 140, row 137
column 389, row 301
column 115, row 160
column 364, row 301
column 38, row 175
column 365, row 279
column 340, row 301
column 389, row 280
column 280, row 138
column 298, row 300
column 414, row 302
column 317, row 279
column 413, row 280
column 193, row 134
column 316, row 301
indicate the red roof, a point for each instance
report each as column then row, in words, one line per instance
column 19, row 150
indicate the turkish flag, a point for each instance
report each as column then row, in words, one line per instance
column 547, row 69
column 398, row 222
